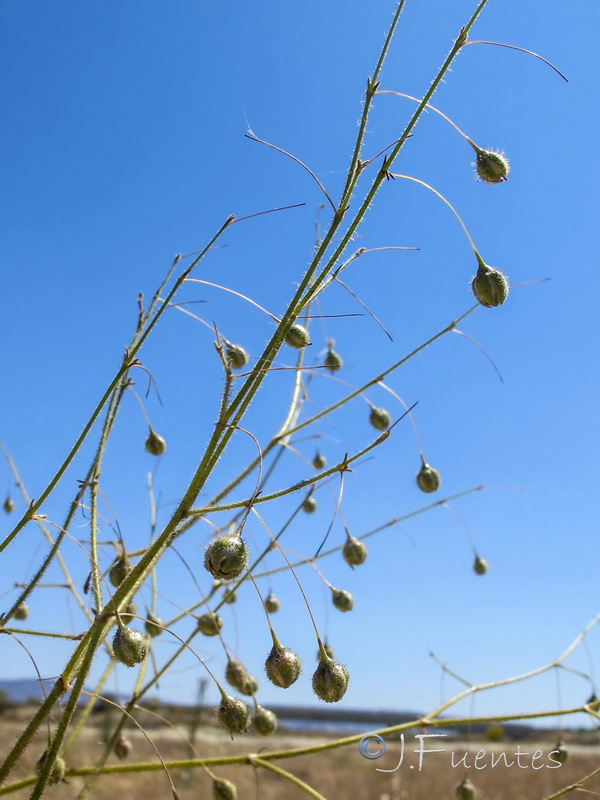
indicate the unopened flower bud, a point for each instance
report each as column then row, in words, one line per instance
column 333, row 361
column 130, row 646
column 342, row 599
column 480, row 565
column 330, row 680
column 224, row 790
column 309, row 505
column 490, row 286
column 57, row 773
column 122, row 747
column 155, row 444
column 233, row 715
column 21, row 612
column 210, row 623
column 297, row 337
column 380, row 419
column 237, row 356
column 283, row 666
column 226, row 558
column 319, row 461
column 354, row 551
column 119, row 570
column 428, row 479
column 153, row 625
column 264, row 721
column 491, row 166
column 8, row 505
column 272, row 603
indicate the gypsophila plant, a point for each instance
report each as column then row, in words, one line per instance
column 247, row 510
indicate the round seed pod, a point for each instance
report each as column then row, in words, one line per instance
column 237, row 676
column 153, row 625
column 283, row 667
column 272, row 603
column 319, row 461
column 380, row 419
column 560, row 753
column 264, row 721
column 354, row 551
column 236, row 355
column 330, row 680
column 210, row 624
column 230, row 597
column 309, row 505
column 57, row 773
column 8, row 505
column 21, row 612
column 342, row 599
column 297, row 337
column 129, row 646
column 224, row 790
column 490, row 286
column 491, row 166
column 155, row 444
column 226, row 558
column 480, row 566
column 333, row 361
column 128, row 612
column 233, row 715
column 119, row 570
column 428, row 479
column 123, row 747
column 465, row 790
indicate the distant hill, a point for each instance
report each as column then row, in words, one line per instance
column 19, row 690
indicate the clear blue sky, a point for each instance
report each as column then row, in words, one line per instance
column 123, row 144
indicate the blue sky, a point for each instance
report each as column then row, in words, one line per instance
column 123, row 144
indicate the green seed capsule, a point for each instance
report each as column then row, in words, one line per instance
column 224, row 790
column 230, row 597
column 128, row 612
column 342, row 599
column 210, row 624
column 122, row 747
column 309, row 505
column 119, row 570
column 233, row 715
column 330, row 681
column 272, row 603
column 480, row 565
column 153, row 625
column 264, row 721
column 490, row 286
column 283, row 667
column 465, row 790
column 237, row 356
column 130, row 647
column 560, row 753
column 57, row 773
column 297, row 337
column 428, row 479
column 491, row 166
column 319, row 461
column 333, row 361
column 226, row 558
column 21, row 612
column 237, row 676
column 155, row 444
column 354, row 551
column 380, row 419
column 8, row 505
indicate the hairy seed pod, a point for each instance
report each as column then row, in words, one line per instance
column 333, row 361
column 480, row 566
column 264, row 721
column 130, row 646
column 490, row 286
column 380, row 419
column 8, row 505
column 230, row 597
column 128, row 612
column 560, row 753
column 330, row 680
column 236, row 355
column 319, row 461
column 428, row 479
column 272, row 603
column 297, row 337
column 153, row 625
column 354, row 551
column 210, row 623
column 283, row 666
column 342, row 599
column 123, row 747
column 226, row 558
column 491, row 166
column 465, row 790
column 237, row 676
column 155, row 444
column 119, row 570
column 233, row 715
column 21, row 612
column 309, row 505
column 224, row 790
column 57, row 773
